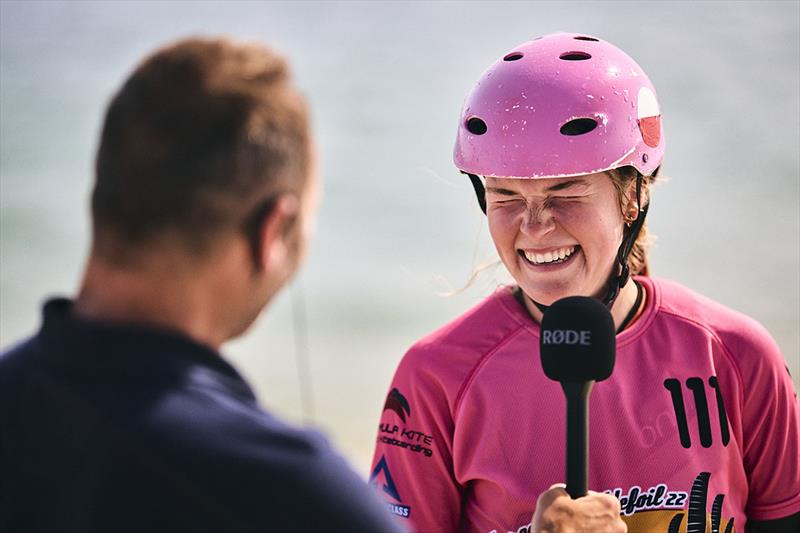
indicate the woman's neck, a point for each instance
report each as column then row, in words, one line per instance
column 619, row 311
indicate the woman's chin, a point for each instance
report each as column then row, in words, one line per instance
column 547, row 297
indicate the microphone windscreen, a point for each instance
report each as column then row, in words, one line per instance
column 577, row 340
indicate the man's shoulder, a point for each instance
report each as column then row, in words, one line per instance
column 11, row 356
column 192, row 438
column 212, row 416
column 269, row 470
column 16, row 361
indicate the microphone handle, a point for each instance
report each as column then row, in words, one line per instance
column 577, row 395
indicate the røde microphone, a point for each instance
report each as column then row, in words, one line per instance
column 578, row 347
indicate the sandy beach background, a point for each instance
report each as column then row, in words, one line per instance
column 398, row 224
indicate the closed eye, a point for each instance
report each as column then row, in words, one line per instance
column 505, row 201
column 502, row 195
column 568, row 197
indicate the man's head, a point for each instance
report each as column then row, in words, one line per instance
column 206, row 142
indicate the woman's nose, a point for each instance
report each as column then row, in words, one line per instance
column 538, row 221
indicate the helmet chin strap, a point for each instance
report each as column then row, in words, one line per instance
column 617, row 281
column 480, row 190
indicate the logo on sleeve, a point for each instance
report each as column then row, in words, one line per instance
column 402, row 436
column 381, row 477
column 397, row 402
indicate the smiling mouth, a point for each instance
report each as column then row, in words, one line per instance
column 553, row 257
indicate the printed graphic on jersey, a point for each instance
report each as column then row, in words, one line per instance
column 520, row 529
column 397, row 402
column 698, row 391
column 697, row 518
column 381, row 477
column 659, row 497
column 418, row 448
column 412, row 440
column 693, row 518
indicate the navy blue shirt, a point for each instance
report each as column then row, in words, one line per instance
column 108, row 427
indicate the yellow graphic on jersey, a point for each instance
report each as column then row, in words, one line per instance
column 662, row 521
column 694, row 519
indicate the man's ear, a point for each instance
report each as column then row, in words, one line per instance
column 274, row 232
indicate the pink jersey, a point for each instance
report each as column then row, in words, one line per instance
column 697, row 428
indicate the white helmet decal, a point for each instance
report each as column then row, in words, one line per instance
column 649, row 116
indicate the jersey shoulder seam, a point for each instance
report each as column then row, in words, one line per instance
column 725, row 350
column 470, row 377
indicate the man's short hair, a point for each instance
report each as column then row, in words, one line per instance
column 204, row 132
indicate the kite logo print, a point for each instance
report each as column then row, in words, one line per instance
column 397, row 402
column 381, row 476
column 409, row 439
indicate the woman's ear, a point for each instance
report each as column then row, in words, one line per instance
column 275, row 233
column 632, row 206
column 631, row 209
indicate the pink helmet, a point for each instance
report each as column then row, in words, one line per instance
column 561, row 105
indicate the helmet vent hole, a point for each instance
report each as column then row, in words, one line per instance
column 578, row 126
column 575, row 56
column 513, row 56
column 476, row 126
column 586, row 38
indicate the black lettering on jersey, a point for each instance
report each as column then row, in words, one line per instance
column 723, row 416
column 674, row 388
column 697, row 386
column 680, row 499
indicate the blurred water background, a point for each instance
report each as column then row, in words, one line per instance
column 398, row 224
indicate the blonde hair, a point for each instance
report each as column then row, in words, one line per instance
column 624, row 180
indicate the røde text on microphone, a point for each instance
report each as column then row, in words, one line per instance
column 567, row 336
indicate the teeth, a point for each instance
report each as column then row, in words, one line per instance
column 549, row 257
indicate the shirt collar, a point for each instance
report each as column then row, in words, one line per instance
column 112, row 350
